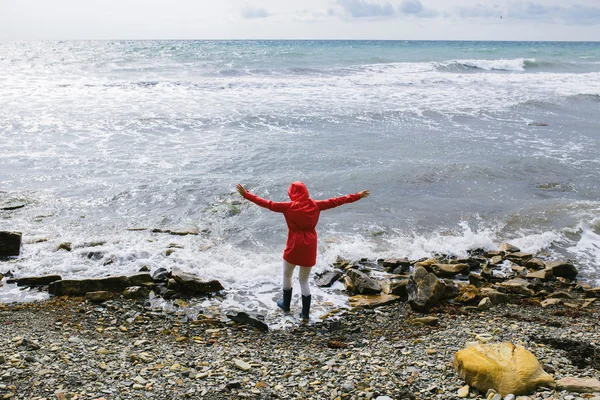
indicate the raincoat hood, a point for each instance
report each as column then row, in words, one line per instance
column 298, row 191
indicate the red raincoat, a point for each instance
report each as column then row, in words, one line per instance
column 301, row 215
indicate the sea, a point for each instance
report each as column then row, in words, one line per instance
column 463, row 144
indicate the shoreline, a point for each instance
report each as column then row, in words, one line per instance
column 67, row 348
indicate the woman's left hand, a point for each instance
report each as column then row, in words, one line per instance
column 240, row 189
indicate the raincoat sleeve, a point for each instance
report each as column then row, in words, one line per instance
column 337, row 201
column 271, row 205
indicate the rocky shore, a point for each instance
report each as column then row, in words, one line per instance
column 70, row 348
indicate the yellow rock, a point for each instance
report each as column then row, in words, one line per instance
column 372, row 301
column 503, row 367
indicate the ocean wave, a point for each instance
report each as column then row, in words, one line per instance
column 517, row 64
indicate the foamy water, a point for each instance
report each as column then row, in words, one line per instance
column 464, row 145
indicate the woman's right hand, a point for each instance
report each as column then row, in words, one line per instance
column 364, row 193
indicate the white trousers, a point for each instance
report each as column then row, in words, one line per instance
column 303, row 273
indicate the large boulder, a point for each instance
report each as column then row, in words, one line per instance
column 192, row 285
column 503, row 367
column 363, row 283
column 425, row 290
column 10, row 243
column 563, row 268
column 79, row 287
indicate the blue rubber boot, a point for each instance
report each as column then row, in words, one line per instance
column 284, row 303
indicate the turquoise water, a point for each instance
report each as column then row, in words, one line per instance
column 463, row 144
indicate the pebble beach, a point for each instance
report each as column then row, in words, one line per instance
column 67, row 348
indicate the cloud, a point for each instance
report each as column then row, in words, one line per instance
column 254, row 13
column 415, row 7
column 364, row 9
column 314, row 16
column 531, row 11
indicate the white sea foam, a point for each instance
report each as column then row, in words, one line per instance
column 517, row 64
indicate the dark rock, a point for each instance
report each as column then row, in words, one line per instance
column 363, row 283
column 518, row 286
column 161, row 275
column 327, row 278
column 94, row 255
column 145, row 268
column 79, row 287
column 192, row 285
column 535, row 263
column 10, row 243
column 136, row 293
column 494, row 253
column 12, row 205
column 424, row 290
column 581, row 354
column 100, row 296
column 173, row 285
column 68, row 246
column 251, row 319
column 519, row 257
column 476, row 279
column 176, row 233
column 496, row 297
column 392, row 264
column 394, row 286
column 563, row 268
column 234, row 385
column 140, row 279
column 341, row 263
column 35, row 280
column 593, row 292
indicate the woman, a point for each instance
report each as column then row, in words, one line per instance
column 301, row 215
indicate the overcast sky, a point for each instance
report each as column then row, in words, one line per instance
column 301, row 19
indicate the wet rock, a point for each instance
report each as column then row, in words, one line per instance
column 79, row 287
column 496, row 260
column 144, row 268
column 508, row 248
column 518, row 286
column 136, row 293
column 563, row 268
column 501, row 366
column 94, row 255
column 140, row 279
column 192, row 285
column 543, row 274
column 485, row 304
column 401, row 265
column 363, row 283
column 349, row 285
column 593, row 292
column 328, row 278
column 425, row 321
column 100, row 296
column 12, row 204
column 535, row 263
column 251, row 319
column 519, row 258
column 394, row 286
column 476, row 279
column 449, row 270
column 579, row 385
column 425, row 290
column 10, row 243
column 35, row 280
column 550, row 302
column 67, row 246
column 161, row 275
column 426, row 264
column 372, row 301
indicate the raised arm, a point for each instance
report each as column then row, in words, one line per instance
column 271, row 205
column 338, row 201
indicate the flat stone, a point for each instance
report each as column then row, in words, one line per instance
column 363, row 283
column 241, row 364
column 79, row 287
column 579, row 385
column 519, row 257
column 463, row 392
column 594, row 292
column 563, row 268
column 35, row 280
column 535, row 263
column 251, row 319
column 193, row 285
column 543, row 274
column 100, row 296
column 366, row 301
column 550, row 302
column 519, row 286
column 449, row 270
column 425, row 321
column 508, row 248
column 328, row 278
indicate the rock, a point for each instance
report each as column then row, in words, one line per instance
column 161, row 275
column 241, row 364
column 347, row 386
column 363, row 283
column 510, row 397
column 485, row 304
column 67, row 246
column 140, row 279
column 394, row 286
column 543, row 274
column 401, row 265
column 501, row 366
column 234, row 385
column 535, row 263
column 192, row 285
column 136, row 293
column 10, row 243
column 349, row 285
column 251, row 319
column 561, row 295
column 426, row 264
column 467, row 294
column 579, row 385
column 425, row 321
column 79, row 287
column 144, row 268
column 424, row 290
column 100, row 296
column 519, row 257
column 496, row 260
column 563, row 268
column 476, row 279
column 519, row 286
column 495, row 296
column 35, row 280
column 372, row 301
column 508, row 248
column 593, row 292
column 328, row 278
column 12, row 204
column 449, row 270
column 550, row 302
column 463, row 392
